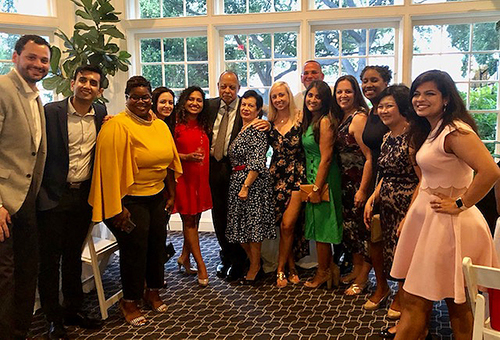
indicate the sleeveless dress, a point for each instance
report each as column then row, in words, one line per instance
column 192, row 193
column 288, row 171
column 399, row 181
column 432, row 245
column 324, row 219
column 352, row 162
column 250, row 220
column 372, row 137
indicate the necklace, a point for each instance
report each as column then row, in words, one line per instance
column 284, row 120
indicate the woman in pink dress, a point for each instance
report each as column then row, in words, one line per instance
column 192, row 195
column 442, row 225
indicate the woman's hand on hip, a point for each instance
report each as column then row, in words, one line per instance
column 444, row 205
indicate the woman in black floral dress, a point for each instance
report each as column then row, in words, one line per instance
column 287, row 172
column 250, row 217
column 398, row 180
column 350, row 109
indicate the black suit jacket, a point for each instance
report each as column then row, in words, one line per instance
column 57, row 163
column 213, row 109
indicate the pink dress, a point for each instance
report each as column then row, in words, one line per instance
column 192, row 193
column 432, row 245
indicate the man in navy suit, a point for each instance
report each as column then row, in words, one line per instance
column 64, row 215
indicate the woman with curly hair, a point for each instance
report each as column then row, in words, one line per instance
column 193, row 191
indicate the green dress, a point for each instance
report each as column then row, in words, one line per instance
column 323, row 220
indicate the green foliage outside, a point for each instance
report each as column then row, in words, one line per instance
column 90, row 44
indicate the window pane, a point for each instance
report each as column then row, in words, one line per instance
column 30, row 7
column 153, row 74
column 7, row 43
column 353, row 66
column 235, row 47
column 287, row 71
column 5, row 67
column 381, row 40
column 259, row 6
column 260, row 46
column 354, row 42
column 174, row 76
column 456, row 37
column 172, row 8
column 149, row 9
column 482, row 37
column 487, row 126
column 329, row 4
column 433, row 1
column 327, row 44
column 196, row 7
column 453, row 64
column 260, row 74
column 285, row 45
column 198, row 75
column 330, row 70
column 150, row 50
column 235, row 6
column 173, row 49
column 484, row 66
column 196, row 48
column 483, row 96
column 241, row 70
column 285, row 5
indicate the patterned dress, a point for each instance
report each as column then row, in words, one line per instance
column 250, row 220
column 324, row 219
column 288, row 172
column 352, row 161
column 399, row 181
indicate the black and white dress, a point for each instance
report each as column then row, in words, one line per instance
column 250, row 220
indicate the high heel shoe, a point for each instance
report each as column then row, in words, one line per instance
column 325, row 276
column 355, row 289
column 252, row 282
column 131, row 313
column 370, row 305
column 293, row 276
column 153, row 300
column 187, row 269
column 281, row 280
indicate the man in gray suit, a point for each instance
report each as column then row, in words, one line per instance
column 22, row 158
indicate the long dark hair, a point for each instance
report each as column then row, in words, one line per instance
column 180, row 110
column 359, row 101
column 453, row 111
column 325, row 93
column 170, row 120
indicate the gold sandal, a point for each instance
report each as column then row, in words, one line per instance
column 153, row 300
column 355, row 289
column 293, row 276
column 135, row 317
column 281, row 281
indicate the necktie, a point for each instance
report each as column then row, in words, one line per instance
column 221, row 136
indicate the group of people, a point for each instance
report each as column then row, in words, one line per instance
column 391, row 185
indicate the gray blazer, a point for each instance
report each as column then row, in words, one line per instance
column 20, row 163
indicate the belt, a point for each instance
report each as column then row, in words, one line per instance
column 239, row 167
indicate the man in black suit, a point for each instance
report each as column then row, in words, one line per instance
column 64, row 215
column 226, row 123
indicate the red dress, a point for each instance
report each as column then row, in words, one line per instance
column 192, row 194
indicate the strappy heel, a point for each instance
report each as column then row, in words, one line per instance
column 281, row 280
column 152, row 300
column 133, row 317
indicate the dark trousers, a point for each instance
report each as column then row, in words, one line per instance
column 142, row 252
column 63, row 231
column 18, row 271
column 220, row 172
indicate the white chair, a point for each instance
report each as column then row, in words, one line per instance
column 485, row 277
column 97, row 251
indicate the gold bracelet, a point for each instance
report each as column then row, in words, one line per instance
column 246, row 186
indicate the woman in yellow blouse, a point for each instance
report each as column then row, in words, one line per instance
column 133, row 187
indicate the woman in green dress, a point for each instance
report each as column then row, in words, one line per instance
column 323, row 219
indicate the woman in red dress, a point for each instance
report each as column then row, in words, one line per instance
column 193, row 191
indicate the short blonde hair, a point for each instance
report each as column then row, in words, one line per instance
column 292, row 109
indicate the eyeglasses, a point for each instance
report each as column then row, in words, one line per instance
column 137, row 98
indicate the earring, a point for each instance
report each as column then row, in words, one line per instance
column 444, row 107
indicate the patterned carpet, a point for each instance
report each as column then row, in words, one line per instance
column 225, row 311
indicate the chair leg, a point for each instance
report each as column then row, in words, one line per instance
column 97, row 278
column 477, row 333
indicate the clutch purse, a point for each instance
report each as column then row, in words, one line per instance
column 306, row 189
column 376, row 229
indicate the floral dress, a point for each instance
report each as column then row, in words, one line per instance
column 352, row 162
column 399, row 181
column 287, row 173
column 250, row 220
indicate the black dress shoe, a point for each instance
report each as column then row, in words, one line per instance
column 83, row 321
column 57, row 331
column 234, row 274
column 222, row 270
column 384, row 333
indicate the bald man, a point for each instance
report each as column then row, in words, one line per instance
column 310, row 71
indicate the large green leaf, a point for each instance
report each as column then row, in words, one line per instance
column 110, row 18
column 114, row 32
column 78, row 3
column 106, row 8
column 55, row 58
column 82, row 26
column 124, row 55
column 50, row 83
column 83, row 14
column 87, row 4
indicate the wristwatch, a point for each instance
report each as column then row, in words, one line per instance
column 460, row 204
column 315, row 188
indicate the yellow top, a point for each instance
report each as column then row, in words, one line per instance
column 131, row 158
